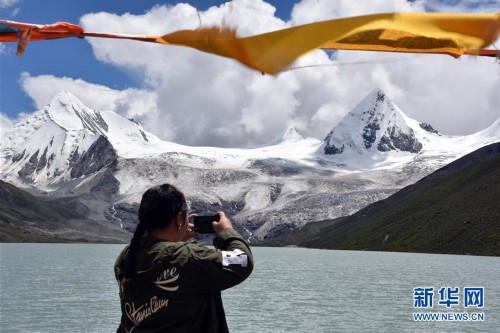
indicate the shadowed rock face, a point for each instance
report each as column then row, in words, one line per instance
column 370, row 130
column 29, row 167
column 331, row 149
column 428, row 128
column 93, row 122
column 370, row 134
column 100, row 155
column 395, row 139
column 34, row 164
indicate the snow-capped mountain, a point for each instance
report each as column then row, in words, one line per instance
column 107, row 161
column 377, row 134
column 374, row 125
column 65, row 140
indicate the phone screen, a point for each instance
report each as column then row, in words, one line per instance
column 203, row 224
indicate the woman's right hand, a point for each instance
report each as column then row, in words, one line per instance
column 224, row 222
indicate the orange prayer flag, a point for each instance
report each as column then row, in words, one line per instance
column 272, row 52
column 23, row 33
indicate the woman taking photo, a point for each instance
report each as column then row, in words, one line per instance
column 168, row 285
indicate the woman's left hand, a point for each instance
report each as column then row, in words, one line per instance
column 190, row 233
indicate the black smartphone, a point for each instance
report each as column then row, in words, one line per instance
column 203, row 224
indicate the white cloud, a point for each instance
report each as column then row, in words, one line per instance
column 307, row 11
column 6, row 123
column 201, row 99
column 8, row 3
column 129, row 103
column 458, row 6
column 9, row 7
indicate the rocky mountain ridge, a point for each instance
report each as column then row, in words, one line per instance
column 69, row 150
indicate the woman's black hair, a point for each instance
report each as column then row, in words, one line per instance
column 159, row 206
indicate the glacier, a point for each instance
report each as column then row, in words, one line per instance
column 107, row 162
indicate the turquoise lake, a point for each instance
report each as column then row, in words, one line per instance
column 71, row 288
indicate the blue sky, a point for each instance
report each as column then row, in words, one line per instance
column 169, row 89
column 54, row 56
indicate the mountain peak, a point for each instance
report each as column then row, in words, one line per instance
column 64, row 96
column 70, row 113
column 291, row 134
column 375, row 102
column 375, row 125
column 377, row 93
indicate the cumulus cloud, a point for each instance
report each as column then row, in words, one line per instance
column 307, row 11
column 5, row 123
column 8, row 3
column 129, row 103
column 458, row 6
column 200, row 99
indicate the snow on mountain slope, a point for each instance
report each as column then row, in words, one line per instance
column 377, row 134
column 68, row 149
column 45, row 145
column 374, row 125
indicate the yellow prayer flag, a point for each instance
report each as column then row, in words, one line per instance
column 452, row 34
